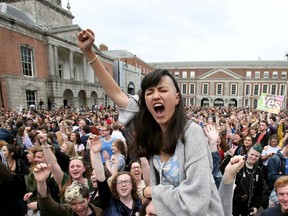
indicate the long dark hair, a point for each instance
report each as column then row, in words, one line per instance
column 149, row 139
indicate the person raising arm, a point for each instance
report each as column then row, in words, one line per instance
column 76, row 197
column 86, row 39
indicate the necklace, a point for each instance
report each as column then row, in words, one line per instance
column 247, row 170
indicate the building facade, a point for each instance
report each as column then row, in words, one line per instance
column 40, row 58
column 128, row 69
column 228, row 83
column 41, row 62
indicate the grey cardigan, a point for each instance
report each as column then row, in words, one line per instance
column 197, row 193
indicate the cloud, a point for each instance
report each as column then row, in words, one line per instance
column 182, row 30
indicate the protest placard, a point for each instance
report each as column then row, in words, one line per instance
column 270, row 103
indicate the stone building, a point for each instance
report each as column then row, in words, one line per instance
column 228, row 83
column 41, row 63
column 40, row 58
column 128, row 69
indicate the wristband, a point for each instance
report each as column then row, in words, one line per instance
column 96, row 57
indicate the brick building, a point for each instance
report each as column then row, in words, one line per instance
column 228, row 83
column 41, row 61
column 40, row 58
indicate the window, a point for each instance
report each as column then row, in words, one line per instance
column 284, row 74
column 266, row 74
column 257, row 74
column 275, row 74
column 248, row 74
column 205, row 89
column 256, row 89
column 184, row 74
column 282, row 89
column 255, row 101
column 192, row 89
column 27, row 61
column 265, row 88
column 184, row 88
column 185, row 101
column 219, row 88
column 246, row 102
column 30, row 98
column 192, row 102
column 247, row 89
column 60, row 70
column 233, row 89
column 192, row 74
column 273, row 89
column 176, row 74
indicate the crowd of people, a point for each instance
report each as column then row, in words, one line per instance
column 149, row 155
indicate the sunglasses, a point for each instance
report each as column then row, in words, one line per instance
column 76, row 157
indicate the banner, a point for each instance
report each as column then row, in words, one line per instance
column 270, row 103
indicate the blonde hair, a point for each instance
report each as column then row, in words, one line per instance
column 76, row 191
column 71, row 149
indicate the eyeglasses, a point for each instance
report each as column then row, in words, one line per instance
column 76, row 157
column 136, row 167
column 120, row 182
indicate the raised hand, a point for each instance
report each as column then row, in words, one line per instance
column 43, row 139
column 235, row 165
column 211, row 133
column 41, row 172
column 86, row 39
column 95, row 144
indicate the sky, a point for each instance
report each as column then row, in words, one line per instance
column 188, row 30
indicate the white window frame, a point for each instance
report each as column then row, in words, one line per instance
column 192, row 88
column 254, row 87
column 192, row 101
column 257, row 74
column 185, row 101
column 255, row 102
column 192, row 74
column 263, row 88
column 266, row 74
column 271, row 89
column 283, row 74
column 31, row 98
column 205, row 85
column 27, row 61
column 275, row 74
column 282, row 89
column 184, row 88
column 246, row 102
column 184, row 74
column 60, row 71
column 248, row 74
column 219, row 91
column 231, row 90
column 176, row 74
column 249, row 89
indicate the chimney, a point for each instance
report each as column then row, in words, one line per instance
column 103, row 47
